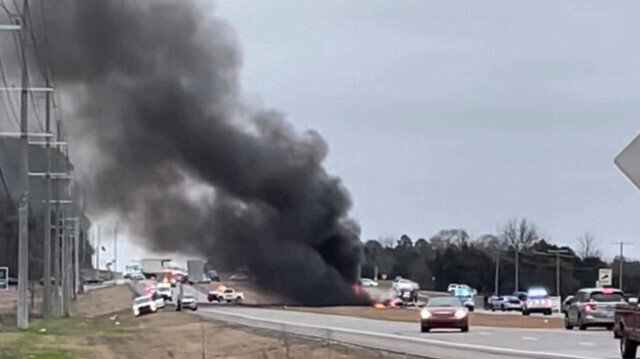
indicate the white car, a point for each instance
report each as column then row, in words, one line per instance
column 468, row 303
column 226, row 295
column 189, row 301
column 366, row 282
column 230, row 295
column 165, row 292
column 144, row 305
column 537, row 301
column 238, row 277
column 511, row 302
column 137, row 276
column 402, row 284
column 495, row 302
column 158, row 299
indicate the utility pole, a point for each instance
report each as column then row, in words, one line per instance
column 23, row 233
column 621, row 261
column 57, row 262
column 46, row 295
column 517, row 286
column 557, row 252
column 496, row 286
column 23, row 263
column 98, row 248
column 115, row 247
column 76, row 257
column 65, row 269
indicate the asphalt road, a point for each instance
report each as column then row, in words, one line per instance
column 480, row 342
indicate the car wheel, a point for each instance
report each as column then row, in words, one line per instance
column 492, row 308
column 424, row 329
column 502, row 308
column 194, row 308
column 548, row 312
column 610, row 327
column 581, row 324
column 464, row 329
column 239, row 301
column 628, row 348
column 525, row 312
column 567, row 323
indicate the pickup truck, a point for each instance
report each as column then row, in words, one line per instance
column 227, row 295
column 626, row 327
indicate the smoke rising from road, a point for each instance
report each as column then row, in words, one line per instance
column 173, row 151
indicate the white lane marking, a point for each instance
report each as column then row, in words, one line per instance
column 587, row 343
column 490, row 349
column 529, row 338
column 483, row 333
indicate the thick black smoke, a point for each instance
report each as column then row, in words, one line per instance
column 176, row 154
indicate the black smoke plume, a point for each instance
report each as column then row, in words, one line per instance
column 172, row 149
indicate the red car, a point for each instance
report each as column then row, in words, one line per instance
column 444, row 312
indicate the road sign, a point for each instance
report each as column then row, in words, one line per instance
column 605, row 276
column 4, row 278
column 628, row 161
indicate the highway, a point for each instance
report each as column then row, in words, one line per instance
column 405, row 337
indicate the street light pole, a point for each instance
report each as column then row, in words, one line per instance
column 517, row 274
column 496, row 286
column 558, row 252
column 621, row 261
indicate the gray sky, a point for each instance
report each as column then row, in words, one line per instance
column 459, row 114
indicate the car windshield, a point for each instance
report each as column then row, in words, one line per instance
column 603, row 297
column 229, row 291
column 444, row 302
column 142, row 300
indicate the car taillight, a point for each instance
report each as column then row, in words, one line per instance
column 589, row 308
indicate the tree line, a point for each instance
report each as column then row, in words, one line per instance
column 451, row 256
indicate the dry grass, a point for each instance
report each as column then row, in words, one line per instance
column 104, row 327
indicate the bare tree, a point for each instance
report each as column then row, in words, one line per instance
column 587, row 246
column 519, row 235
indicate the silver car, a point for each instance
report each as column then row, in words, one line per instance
column 593, row 307
column 511, row 302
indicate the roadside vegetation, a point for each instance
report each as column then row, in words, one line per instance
column 65, row 338
column 453, row 256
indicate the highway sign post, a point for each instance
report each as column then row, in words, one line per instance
column 605, row 277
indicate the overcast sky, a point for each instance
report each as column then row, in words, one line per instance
column 459, row 114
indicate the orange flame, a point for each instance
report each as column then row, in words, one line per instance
column 379, row 306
